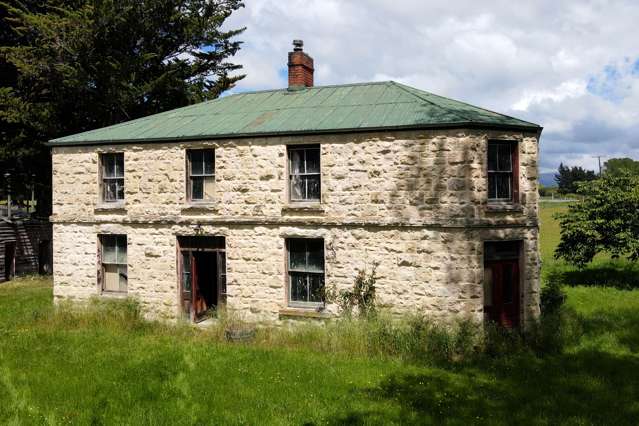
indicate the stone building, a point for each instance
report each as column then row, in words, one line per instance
column 261, row 200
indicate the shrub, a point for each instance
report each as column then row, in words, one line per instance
column 361, row 297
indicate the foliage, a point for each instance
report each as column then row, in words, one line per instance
column 607, row 220
column 361, row 297
column 616, row 166
column 76, row 65
column 568, row 177
column 552, row 298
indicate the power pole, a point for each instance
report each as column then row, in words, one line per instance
column 599, row 161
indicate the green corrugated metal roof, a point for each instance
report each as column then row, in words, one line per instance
column 320, row 109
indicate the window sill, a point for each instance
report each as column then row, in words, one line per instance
column 114, row 295
column 294, row 312
column 109, row 207
column 303, row 208
column 504, row 207
column 209, row 206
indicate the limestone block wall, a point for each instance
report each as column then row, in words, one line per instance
column 438, row 272
column 430, row 176
column 413, row 201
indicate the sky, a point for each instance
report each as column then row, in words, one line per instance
column 570, row 66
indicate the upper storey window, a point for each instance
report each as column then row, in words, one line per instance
column 201, row 174
column 304, row 173
column 112, row 177
column 503, row 166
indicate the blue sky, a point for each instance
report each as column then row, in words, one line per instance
column 571, row 66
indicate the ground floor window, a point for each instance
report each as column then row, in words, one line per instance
column 113, row 257
column 305, row 271
column 501, row 282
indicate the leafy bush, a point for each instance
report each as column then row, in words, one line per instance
column 606, row 220
column 360, row 298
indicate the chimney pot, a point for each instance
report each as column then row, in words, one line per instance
column 300, row 67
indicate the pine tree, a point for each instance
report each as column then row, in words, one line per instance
column 83, row 64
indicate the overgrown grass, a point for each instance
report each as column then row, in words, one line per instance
column 102, row 364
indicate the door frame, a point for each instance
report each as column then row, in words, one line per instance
column 193, row 244
column 519, row 293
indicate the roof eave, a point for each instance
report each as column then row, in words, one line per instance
column 461, row 125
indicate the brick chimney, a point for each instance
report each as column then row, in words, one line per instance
column 300, row 67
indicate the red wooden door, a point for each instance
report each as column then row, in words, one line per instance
column 502, row 285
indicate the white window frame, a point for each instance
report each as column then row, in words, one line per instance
column 291, row 175
column 118, row 177
column 122, row 267
column 307, row 272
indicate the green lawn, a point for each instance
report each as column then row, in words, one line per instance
column 57, row 369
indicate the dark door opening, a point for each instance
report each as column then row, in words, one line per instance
column 44, row 257
column 501, row 282
column 203, row 276
column 9, row 260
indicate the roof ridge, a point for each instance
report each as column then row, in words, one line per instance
column 409, row 89
column 285, row 89
column 473, row 106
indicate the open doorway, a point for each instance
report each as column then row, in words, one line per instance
column 202, row 266
column 44, row 257
column 9, row 260
column 502, row 282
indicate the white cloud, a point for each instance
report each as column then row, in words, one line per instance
column 569, row 66
column 568, row 89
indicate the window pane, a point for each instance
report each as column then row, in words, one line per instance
column 502, row 250
column 186, row 272
column 197, row 167
column 108, row 165
column 492, row 185
column 492, row 156
column 119, row 164
column 197, row 188
column 121, row 250
column 119, row 183
column 315, row 255
column 312, row 187
column 297, row 161
column 504, row 161
column 503, row 185
column 316, row 287
column 109, row 250
column 209, row 186
column 298, row 290
column 111, row 278
column 209, row 165
column 123, row 278
column 313, row 160
column 297, row 254
column 110, row 190
column 297, row 188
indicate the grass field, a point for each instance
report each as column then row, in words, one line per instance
column 102, row 369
